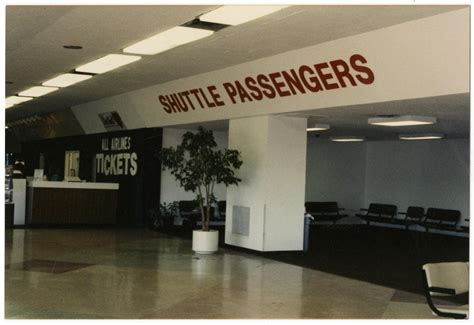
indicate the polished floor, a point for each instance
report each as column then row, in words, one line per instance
column 140, row 274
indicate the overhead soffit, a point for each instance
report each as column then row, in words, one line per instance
column 452, row 113
column 35, row 36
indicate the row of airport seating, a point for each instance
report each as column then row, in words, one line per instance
column 189, row 210
column 441, row 219
column 434, row 218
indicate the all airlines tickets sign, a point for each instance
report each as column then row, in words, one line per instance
column 422, row 58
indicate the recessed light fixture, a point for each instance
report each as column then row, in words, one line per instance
column 405, row 120
column 72, row 47
column 317, row 127
column 6, row 127
column 107, row 63
column 427, row 136
column 66, row 80
column 167, row 40
column 37, row 91
column 347, row 139
column 13, row 100
column 235, row 15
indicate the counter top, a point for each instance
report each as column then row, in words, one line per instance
column 74, row 185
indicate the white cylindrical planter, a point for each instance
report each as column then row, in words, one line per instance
column 205, row 242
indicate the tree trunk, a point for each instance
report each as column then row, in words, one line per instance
column 207, row 209
column 201, row 208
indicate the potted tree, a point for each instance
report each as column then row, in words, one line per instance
column 198, row 166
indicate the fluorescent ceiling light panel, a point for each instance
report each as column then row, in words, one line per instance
column 167, row 40
column 405, row 120
column 37, row 91
column 107, row 63
column 347, row 139
column 66, row 80
column 13, row 100
column 318, row 127
column 428, row 136
column 235, row 15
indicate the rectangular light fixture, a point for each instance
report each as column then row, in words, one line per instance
column 107, row 63
column 317, row 127
column 167, row 40
column 427, row 136
column 347, row 139
column 37, row 91
column 13, row 100
column 235, row 14
column 405, row 120
column 66, row 80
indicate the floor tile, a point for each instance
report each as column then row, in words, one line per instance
column 46, row 266
column 138, row 274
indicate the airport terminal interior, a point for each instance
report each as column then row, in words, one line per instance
column 237, row 162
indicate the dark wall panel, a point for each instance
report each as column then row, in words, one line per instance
column 139, row 180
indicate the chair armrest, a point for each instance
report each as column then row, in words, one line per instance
column 447, row 291
column 404, row 213
column 364, row 209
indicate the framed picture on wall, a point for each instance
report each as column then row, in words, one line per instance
column 112, row 121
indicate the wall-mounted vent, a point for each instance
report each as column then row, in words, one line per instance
column 240, row 220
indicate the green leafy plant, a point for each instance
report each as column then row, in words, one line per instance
column 198, row 166
column 168, row 209
column 163, row 217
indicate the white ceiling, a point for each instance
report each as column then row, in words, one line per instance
column 35, row 36
column 452, row 113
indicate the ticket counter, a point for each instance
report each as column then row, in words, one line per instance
column 71, row 203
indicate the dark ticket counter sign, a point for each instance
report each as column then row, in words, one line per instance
column 124, row 157
column 119, row 158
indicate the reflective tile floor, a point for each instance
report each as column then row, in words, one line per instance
column 139, row 274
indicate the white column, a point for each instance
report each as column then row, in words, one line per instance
column 19, row 199
column 269, row 202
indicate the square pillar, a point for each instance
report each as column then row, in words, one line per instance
column 266, row 211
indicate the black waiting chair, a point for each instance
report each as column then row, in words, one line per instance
column 414, row 215
column 189, row 211
column 221, row 206
column 442, row 219
column 377, row 212
column 449, row 279
column 324, row 211
column 463, row 228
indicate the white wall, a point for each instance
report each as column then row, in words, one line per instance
column 273, row 176
column 423, row 173
column 336, row 172
column 249, row 136
column 170, row 189
column 285, row 188
column 420, row 173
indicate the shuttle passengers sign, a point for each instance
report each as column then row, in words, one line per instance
column 304, row 79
